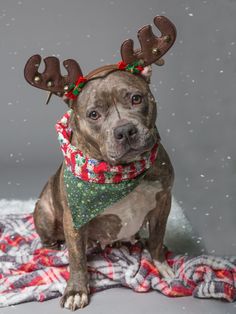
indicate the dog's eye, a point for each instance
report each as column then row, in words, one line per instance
column 94, row 115
column 136, row 99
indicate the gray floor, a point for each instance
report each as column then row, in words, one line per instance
column 197, row 113
column 122, row 300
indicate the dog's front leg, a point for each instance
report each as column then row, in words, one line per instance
column 157, row 226
column 76, row 294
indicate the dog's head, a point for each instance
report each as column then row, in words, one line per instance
column 114, row 116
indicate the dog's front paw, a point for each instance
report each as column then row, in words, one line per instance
column 74, row 300
column 164, row 269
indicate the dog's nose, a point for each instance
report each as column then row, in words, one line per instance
column 125, row 132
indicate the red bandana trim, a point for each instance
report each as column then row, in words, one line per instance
column 93, row 170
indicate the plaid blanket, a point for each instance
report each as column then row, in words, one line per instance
column 29, row 272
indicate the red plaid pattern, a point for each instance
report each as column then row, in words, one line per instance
column 28, row 272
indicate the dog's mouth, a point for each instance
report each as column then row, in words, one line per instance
column 117, row 153
column 129, row 154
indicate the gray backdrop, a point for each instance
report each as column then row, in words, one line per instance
column 196, row 94
column 195, row 91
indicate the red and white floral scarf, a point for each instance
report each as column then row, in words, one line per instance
column 93, row 170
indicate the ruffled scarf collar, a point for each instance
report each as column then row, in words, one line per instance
column 92, row 170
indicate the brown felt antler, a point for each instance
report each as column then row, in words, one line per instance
column 51, row 79
column 152, row 47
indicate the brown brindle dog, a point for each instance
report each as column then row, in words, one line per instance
column 113, row 120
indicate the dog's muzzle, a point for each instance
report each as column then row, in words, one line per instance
column 125, row 133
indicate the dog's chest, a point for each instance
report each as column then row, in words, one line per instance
column 132, row 209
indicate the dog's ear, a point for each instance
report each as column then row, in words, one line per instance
column 51, row 78
column 147, row 73
column 71, row 103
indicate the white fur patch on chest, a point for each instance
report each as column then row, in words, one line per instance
column 133, row 208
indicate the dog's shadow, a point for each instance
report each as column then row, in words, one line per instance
column 180, row 237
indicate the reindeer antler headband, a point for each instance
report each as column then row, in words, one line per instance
column 152, row 48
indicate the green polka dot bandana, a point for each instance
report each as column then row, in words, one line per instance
column 87, row 199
